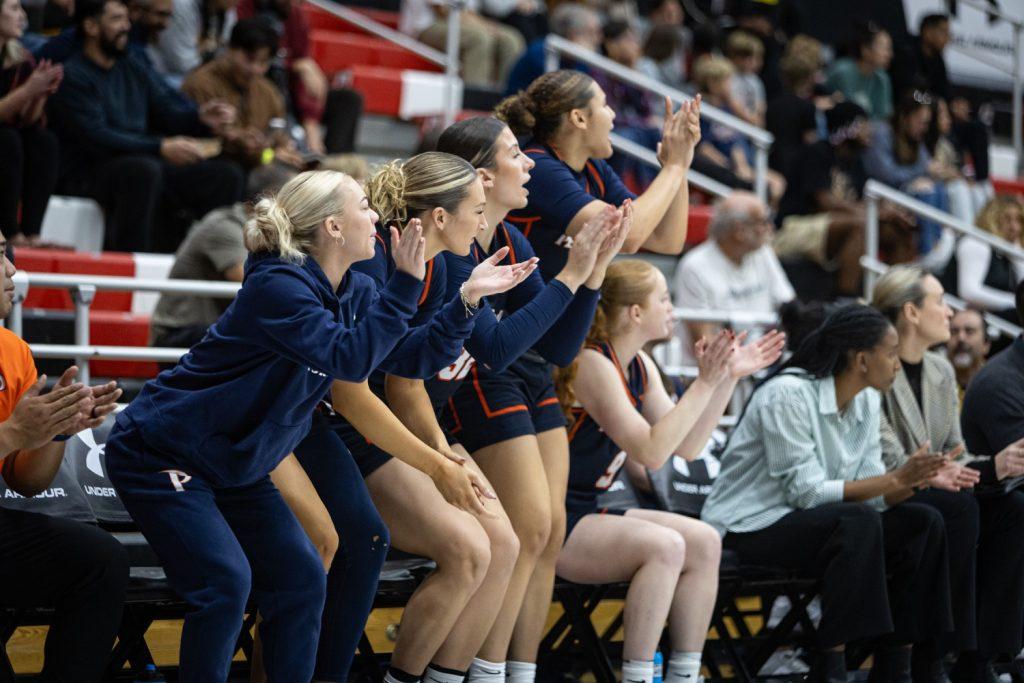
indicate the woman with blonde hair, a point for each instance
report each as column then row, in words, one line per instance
column 617, row 414
column 28, row 151
column 984, row 533
column 985, row 277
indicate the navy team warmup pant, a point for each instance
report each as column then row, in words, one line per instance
column 362, row 547
column 217, row 544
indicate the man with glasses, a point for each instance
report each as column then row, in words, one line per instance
column 735, row 269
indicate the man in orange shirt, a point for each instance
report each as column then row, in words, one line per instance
column 78, row 569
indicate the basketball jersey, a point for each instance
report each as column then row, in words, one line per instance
column 557, row 193
column 17, row 372
column 594, row 459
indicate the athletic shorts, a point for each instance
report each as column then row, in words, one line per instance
column 368, row 457
column 493, row 407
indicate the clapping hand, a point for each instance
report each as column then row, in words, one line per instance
column 757, row 355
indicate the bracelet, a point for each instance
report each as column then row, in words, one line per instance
column 470, row 308
column 62, row 437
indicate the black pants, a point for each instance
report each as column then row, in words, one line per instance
column 852, row 547
column 28, row 176
column 1001, row 574
column 961, row 518
column 131, row 190
column 342, row 112
column 79, row 570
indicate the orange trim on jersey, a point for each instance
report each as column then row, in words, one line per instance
column 508, row 243
column 455, row 416
column 526, row 223
column 426, row 282
column 381, row 240
column 643, row 376
column 597, row 177
column 519, row 407
column 618, row 366
column 548, row 402
column 578, row 420
column 535, row 149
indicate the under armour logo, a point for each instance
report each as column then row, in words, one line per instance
column 92, row 458
column 178, row 479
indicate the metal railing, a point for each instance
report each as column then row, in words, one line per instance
column 449, row 59
column 994, row 322
column 647, row 156
column 875, row 191
column 1017, row 26
column 83, row 290
column 759, row 137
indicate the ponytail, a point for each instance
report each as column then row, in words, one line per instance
column 400, row 190
column 825, row 351
column 538, row 112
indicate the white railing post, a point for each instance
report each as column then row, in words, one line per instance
column 451, row 67
column 1018, row 142
column 870, row 242
column 83, row 296
column 15, row 321
column 761, row 171
column 551, row 57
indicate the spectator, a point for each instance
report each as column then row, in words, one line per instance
column 898, row 157
column 746, row 53
column 966, row 195
column 487, row 49
column 571, row 20
column 919, row 65
column 993, row 413
column 761, row 19
column 667, row 43
column 862, row 77
column 238, row 77
column 196, row 29
column 75, row 568
column 722, row 145
column 329, row 116
column 985, row 535
column 125, row 137
column 985, row 277
column 214, row 249
column 821, row 216
column 529, row 17
column 968, row 345
column 28, row 151
column 735, row 269
column 148, row 19
column 791, row 116
column 803, row 488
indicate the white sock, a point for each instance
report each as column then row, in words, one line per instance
column 486, row 672
column 389, row 678
column 683, row 667
column 634, row 671
column 439, row 674
column 520, row 672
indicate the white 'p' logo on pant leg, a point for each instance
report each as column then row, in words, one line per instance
column 178, row 478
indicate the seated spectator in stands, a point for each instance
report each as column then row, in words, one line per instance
column 77, row 569
column 968, row 345
column 571, row 20
column 985, row 277
column 128, row 142
column 735, row 269
column 791, row 116
column 148, row 19
column 985, row 535
column 487, row 49
column 529, row 17
column 746, row 53
column 966, row 195
column 803, row 488
column 214, row 249
column 666, row 43
column 28, row 151
column 722, row 145
column 898, row 157
column 919, row 64
column 196, row 29
column 761, row 19
column 238, row 78
column 821, row 216
column 862, row 77
column 329, row 116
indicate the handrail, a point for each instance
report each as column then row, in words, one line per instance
column 993, row 321
column 994, row 11
column 85, row 352
column 647, row 156
column 703, row 315
column 761, row 138
column 203, row 288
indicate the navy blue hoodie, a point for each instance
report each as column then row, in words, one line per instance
column 242, row 399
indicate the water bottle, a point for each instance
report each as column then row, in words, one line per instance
column 151, row 674
column 658, row 664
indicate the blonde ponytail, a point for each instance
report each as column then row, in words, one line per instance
column 400, row 190
column 386, row 192
column 287, row 224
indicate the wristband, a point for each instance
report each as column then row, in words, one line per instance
column 470, row 308
column 62, row 437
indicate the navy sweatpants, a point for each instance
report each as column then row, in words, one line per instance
column 217, row 545
column 362, row 547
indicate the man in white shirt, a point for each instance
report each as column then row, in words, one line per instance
column 734, row 270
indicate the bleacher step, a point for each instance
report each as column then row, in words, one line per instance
column 384, row 136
